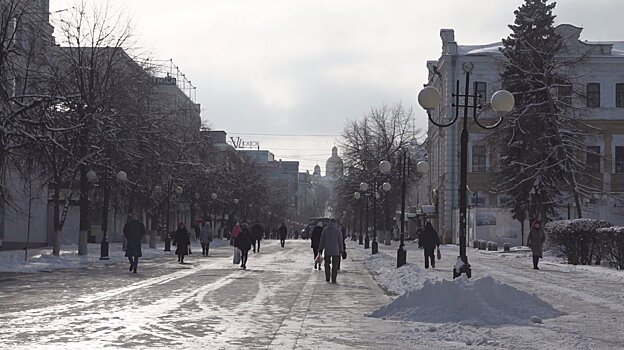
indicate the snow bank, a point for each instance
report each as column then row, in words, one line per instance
column 484, row 301
column 42, row 260
column 396, row 281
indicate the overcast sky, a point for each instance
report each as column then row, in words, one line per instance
column 293, row 67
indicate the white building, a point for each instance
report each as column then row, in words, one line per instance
column 601, row 74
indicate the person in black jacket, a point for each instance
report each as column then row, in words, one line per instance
column 256, row 235
column 429, row 240
column 282, row 232
column 243, row 242
column 316, row 238
column 182, row 241
column 133, row 230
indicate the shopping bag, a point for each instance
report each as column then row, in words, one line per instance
column 237, row 256
column 438, row 254
column 319, row 258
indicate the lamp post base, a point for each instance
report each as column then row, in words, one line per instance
column 366, row 243
column 401, row 257
column 462, row 266
column 375, row 247
column 167, row 243
column 104, row 248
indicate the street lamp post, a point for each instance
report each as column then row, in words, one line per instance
column 384, row 168
column 502, row 101
column 364, row 188
column 154, row 219
column 421, row 167
column 214, row 197
column 121, row 177
column 357, row 196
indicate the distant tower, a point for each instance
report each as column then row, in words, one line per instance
column 317, row 170
column 334, row 165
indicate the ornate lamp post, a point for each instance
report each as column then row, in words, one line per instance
column 384, row 168
column 502, row 101
column 364, row 188
column 214, row 197
column 357, row 196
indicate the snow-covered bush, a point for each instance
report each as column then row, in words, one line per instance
column 578, row 238
column 613, row 245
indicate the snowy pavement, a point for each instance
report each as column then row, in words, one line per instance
column 280, row 302
column 590, row 298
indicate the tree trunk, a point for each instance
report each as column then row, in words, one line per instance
column 84, row 212
column 153, row 229
column 56, row 241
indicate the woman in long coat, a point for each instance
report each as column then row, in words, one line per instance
column 535, row 241
column 243, row 242
column 182, row 241
column 133, row 230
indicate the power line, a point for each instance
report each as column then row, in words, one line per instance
column 283, row 135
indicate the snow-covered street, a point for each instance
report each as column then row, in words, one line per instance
column 280, row 302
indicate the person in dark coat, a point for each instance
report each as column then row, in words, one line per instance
column 316, row 238
column 197, row 232
column 343, row 231
column 182, row 241
column 429, row 240
column 134, row 230
column 243, row 242
column 256, row 235
column 535, row 241
column 282, row 232
column 205, row 238
column 331, row 242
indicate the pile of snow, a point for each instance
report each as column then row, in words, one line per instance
column 396, row 281
column 484, row 301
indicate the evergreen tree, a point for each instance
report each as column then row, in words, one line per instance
column 542, row 143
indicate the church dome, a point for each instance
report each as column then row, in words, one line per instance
column 317, row 170
column 334, row 165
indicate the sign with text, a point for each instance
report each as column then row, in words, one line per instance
column 240, row 143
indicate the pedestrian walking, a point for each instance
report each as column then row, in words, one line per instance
column 332, row 245
column 205, row 238
column 315, row 239
column 256, row 235
column 429, row 240
column 182, row 241
column 197, row 231
column 134, row 231
column 243, row 242
column 535, row 241
column 236, row 229
column 283, row 232
column 343, row 255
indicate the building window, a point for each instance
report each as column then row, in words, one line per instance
column 478, row 159
column 619, row 159
column 593, row 95
column 481, row 90
column 593, row 159
column 619, row 95
column 564, row 94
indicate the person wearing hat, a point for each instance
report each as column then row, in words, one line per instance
column 331, row 243
column 182, row 240
column 535, row 241
column 315, row 238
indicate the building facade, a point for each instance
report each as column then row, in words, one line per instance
column 600, row 76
